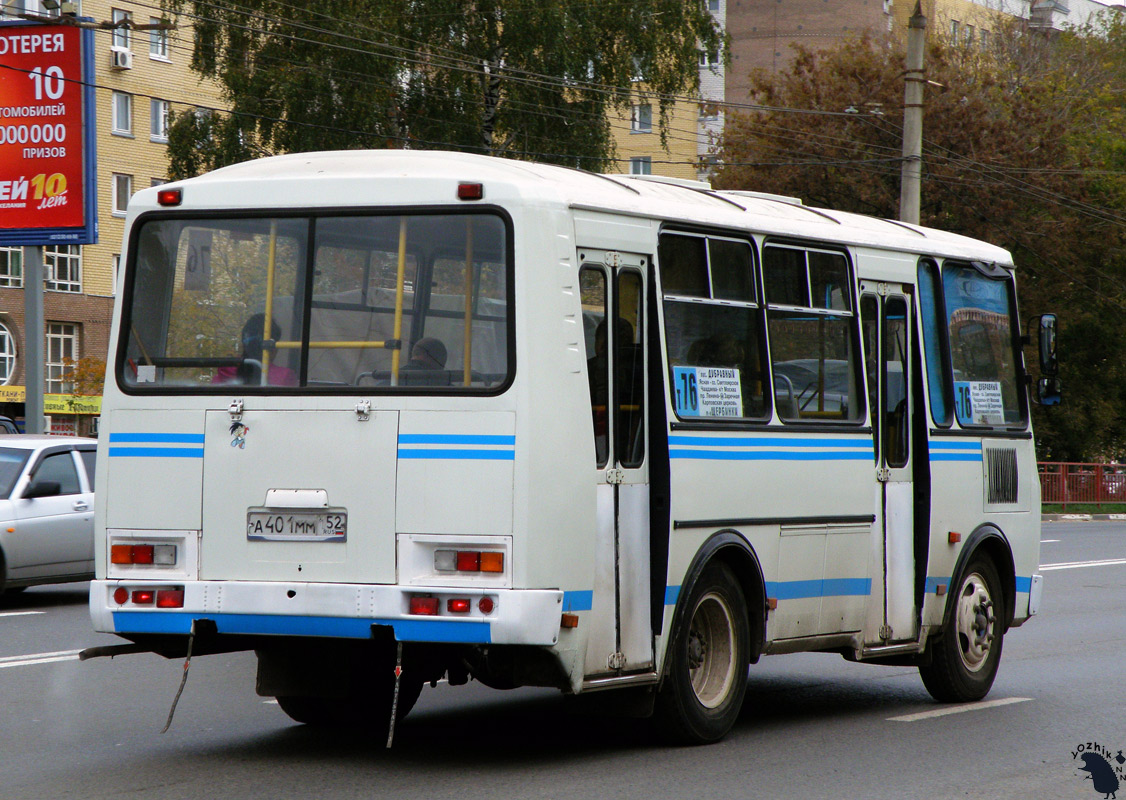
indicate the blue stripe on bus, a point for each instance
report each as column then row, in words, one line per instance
column 772, row 455
column 931, row 585
column 1024, row 584
column 455, row 631
column 770, row 441
column 156, row 438
column 829, row 587
column 443, row 438
column 458, row 454
column 935, row 445
column 955, row 456
column 156, row 452
column 672, row 594
column 578, row 601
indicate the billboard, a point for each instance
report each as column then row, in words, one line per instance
column 47, row 158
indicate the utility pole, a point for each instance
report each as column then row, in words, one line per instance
column 912, row 170
column 33, row 339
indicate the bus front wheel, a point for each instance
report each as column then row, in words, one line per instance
column 968, row 653
column 706, row 681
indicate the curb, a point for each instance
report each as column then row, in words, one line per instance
column 1082, row 517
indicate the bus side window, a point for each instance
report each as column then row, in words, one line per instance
column 592, row 292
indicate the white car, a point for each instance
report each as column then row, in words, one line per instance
column 46, row 510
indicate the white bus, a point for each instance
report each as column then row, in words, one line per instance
column 391, row 417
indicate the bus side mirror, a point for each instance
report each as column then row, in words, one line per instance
column 1049, row 364
column 1048, row 389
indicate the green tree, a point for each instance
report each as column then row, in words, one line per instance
column 518, row 78
column 1022, row 147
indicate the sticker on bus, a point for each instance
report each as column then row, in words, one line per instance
column 979, row 402
column 708, row 392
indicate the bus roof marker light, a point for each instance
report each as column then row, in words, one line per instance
column 169, row 197
column 470, row 191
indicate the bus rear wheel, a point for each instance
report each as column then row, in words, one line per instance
column 368, row 709
column 706, row 681
column 966, row 656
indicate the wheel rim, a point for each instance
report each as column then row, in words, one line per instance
column 976, row 622
column 711, row 650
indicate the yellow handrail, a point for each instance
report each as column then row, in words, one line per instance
column 268, row 317
column 396, row 354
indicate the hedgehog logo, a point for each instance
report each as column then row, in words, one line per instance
column 1104, row 770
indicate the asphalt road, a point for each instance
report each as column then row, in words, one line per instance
column 813, row 726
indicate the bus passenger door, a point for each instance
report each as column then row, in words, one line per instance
column 620, row 637
column 885, row 311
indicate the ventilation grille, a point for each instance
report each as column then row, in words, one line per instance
column 1001, row 464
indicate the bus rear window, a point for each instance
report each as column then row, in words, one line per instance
column 402, row 303
column 979, row 311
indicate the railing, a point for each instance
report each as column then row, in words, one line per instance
column 1071, row 483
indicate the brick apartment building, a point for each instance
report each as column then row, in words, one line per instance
column 140, row 74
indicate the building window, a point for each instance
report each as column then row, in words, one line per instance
column 969, row 35
column 122, row 113
column 158, row 41
column 62, row 266
column 955, row 28
column 713, row 5
column 122, row 191
column 7, row 355
column 641, row 165
column 158, row 120
column 641, row 120
column 62, row 346
column 121, row 20
column 11, row 267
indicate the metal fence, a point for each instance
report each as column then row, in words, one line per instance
column 1070, row 483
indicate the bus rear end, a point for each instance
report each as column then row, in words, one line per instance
column 289, row 464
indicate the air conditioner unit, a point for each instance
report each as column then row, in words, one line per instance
column 121, row 59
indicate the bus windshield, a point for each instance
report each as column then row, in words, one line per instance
column 417, row 302
column 979, row 314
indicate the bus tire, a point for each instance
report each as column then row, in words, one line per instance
column 368, row 710
column 706, row 680
column 966, row 656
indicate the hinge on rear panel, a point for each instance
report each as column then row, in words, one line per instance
column 235, row 410
column 882, row 289
column 616, row 660
column 363, row 410
column 886, row 632
column 614, row 475
column 883, row 474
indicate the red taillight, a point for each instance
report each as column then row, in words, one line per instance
column 169, row 197
column 170, row 598
column 470, row 191
column 458, row 605
column 424, row 605
column 468, row 561
column 121, row 554
column 120, row 595
column 142, row 553
column 143, row 597
column 485, row 604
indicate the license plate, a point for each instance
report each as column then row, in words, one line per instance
column 297, row 525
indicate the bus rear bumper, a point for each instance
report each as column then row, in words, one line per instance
column 346, row 611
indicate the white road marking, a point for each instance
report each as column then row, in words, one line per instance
column 958, row 709
column 1048, row 541
column 20, row 613
column 273, row 701
column 39, row 658
column 1080, row 564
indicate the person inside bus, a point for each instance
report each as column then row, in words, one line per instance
column 427, row 364
column 249, row 370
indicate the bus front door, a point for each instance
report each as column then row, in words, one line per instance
column 620, row 637
column 886, row 313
